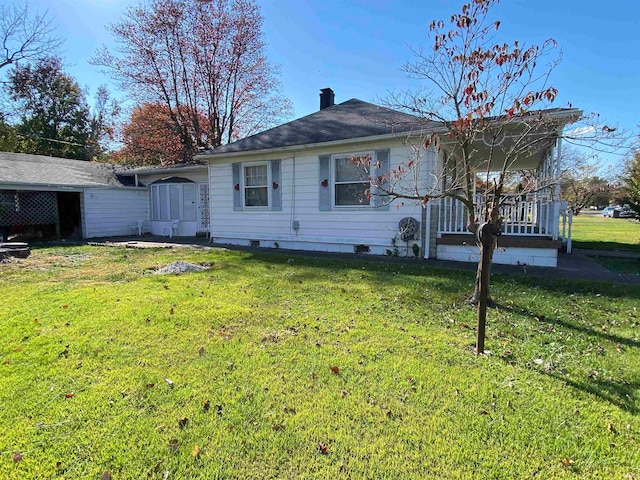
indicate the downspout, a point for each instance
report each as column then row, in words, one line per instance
column 423, row 232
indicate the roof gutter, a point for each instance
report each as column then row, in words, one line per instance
column 48, row 187
column 160, row 170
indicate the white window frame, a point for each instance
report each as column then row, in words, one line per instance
column 243, row 170
column 156, row 200
column 334, row 175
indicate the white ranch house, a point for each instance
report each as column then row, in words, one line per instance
column 294, row 187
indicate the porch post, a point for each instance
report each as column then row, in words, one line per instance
column 557, row 172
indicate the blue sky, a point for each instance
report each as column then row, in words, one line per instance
column 357, row 47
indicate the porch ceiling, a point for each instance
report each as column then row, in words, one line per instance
column 517, row 146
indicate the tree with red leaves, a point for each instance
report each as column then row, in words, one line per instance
column 486, row 100
column 152, row 137
column 199, row 60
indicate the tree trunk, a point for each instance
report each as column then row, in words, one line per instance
column 487, row 256
column 487, row 236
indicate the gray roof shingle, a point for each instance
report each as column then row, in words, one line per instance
column 348, row 120
column 26, row 169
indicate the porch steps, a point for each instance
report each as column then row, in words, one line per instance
column 14, row 249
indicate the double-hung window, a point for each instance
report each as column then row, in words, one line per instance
column 351, row 181
column 256, row 185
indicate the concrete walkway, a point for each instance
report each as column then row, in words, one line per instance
column 578, row 265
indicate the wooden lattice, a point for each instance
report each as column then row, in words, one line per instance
column 28, row 208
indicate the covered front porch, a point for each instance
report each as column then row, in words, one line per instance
column 535, row 223
column 534, row 229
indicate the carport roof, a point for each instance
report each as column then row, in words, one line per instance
column 42, row 171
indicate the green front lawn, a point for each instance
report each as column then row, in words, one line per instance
column 275, row 366
column 593, row 231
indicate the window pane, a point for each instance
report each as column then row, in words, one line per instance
column 348, row 171
column 154, row 202
column 189, row 202
column 256, row 197
column 255, row 176
column 174, row 192
column 164, row 202
column 352, row 194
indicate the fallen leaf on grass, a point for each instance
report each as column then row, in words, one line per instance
column 173, row 445
column 322, row 448
column 277, row 427
column 183, row 422
column 64, row 306
column 150, row 385
column 171, row 311
column 314, row 375
column 156, row 468
column 17, row 458
column 106, row 475
column 566, row 462
column 611, row 428
column 195, row 453
column 335, row 370
column 201, row 351
column 206, row 406
column 69, row 395
column 36, row 319
column 6, row 362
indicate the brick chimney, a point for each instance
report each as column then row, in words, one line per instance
column 326, row 98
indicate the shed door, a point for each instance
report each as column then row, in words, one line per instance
column 203, row 207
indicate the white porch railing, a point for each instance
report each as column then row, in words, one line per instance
column 530, row 215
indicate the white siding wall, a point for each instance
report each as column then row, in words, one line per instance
column 340, row 229
column 112, row 211
column 539, row 257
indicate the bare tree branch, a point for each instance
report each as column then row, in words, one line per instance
column 25, row 36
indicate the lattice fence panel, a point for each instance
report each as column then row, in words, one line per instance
column 28, row 208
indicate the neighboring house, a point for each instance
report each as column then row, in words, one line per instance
column 71, row 198
column 294, row 187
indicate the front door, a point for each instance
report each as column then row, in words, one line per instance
column 203, row 207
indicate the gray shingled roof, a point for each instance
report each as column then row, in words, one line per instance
column 349, row 120
column 26, row 169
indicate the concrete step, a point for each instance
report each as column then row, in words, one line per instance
column 14, row 245
column 14, row 249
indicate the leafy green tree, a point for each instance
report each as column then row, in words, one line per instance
column 8, row 137
column 581, row 182
column 631, row 179
column 51, row 110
